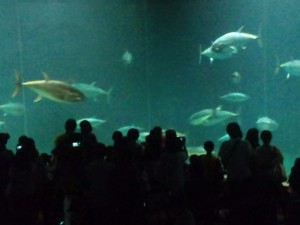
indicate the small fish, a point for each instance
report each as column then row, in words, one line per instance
column 235, row 97
column 266, row 123
column 54, row 90
column 236, row 77
column 92, row 120
column 13, row 108
column 127, row 57
column 292, row 68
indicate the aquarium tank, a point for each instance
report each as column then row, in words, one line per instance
column 191, row 65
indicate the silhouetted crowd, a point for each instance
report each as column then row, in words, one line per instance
column 85, row 182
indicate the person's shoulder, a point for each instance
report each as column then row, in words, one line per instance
column 227, row 143
column 276, row 150
column 244, row 143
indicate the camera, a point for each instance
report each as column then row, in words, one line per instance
column 182, row 139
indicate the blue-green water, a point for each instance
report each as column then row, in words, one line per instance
column 163, row 84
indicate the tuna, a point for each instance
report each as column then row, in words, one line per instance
column 54, row 90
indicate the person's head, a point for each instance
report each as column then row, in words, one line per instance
column 297, row 163
column 70, row 125
column 133, row 134
column 85, row 127
column 234, row 131
column 171, row 134
column 252, row 135
column 117, row 136
column 4, row 138
column 209, row 146
column 266, row 136
column 157, row 131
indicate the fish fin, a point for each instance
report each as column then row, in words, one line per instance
column 219, row 107
column 18, row 84
column 200, row 55
column 276, row 70
column 288, row 76
column 93, row 83
column 38, row 98
column 46, row 77
column 240, row 29
column 109, row 95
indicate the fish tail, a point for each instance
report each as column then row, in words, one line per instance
column 259, row 39
column 109, row 95
column 277, row 68
column 200, row 55
column 18, row 84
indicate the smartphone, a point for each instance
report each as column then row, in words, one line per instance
column 75, row 144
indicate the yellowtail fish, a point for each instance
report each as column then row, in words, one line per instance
column 54, row 90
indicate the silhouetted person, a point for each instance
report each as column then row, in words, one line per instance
column 6, row 160
column 153, row 151
column 27, row 179
column 253, row 137
column 171, row 168
column 99, row 196
column 61, row 155
column 87, row 137
column 265, row 157
column 87, row 141
column 135, row 149
column 155, row 142
column 212, row 170
column 267, row 189
column 294, row 179
column 117, row 138
column 294, row 204
column 70, row 134
column 236, row 155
